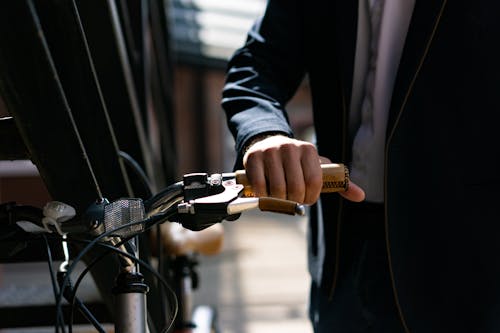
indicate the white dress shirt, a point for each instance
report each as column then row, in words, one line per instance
column 372, row 90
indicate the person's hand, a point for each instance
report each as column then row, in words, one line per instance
column 286, row 168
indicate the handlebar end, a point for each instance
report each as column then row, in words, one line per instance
column 300, row 210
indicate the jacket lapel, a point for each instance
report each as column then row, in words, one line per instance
column 425, row 20
column 346, row 30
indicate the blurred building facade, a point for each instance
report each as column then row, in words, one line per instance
column 204, row 35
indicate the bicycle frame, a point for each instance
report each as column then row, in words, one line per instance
column 197, row 202
column 75, row 113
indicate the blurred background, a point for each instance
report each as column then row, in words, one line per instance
column 259, row 282
column 205, row 33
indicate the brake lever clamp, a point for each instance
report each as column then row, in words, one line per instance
column 206, row 200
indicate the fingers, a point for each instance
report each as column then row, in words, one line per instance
column 313, row 177
column 256, row 173
column 284, row 168
column 290, row 169
column 324, row 160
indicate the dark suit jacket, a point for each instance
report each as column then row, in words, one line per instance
column 443, row 144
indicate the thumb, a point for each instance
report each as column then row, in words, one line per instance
column 353, row 193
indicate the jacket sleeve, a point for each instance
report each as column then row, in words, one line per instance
column 264, row 74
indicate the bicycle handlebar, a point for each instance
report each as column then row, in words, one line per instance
column 208, row 198
column 197, row 202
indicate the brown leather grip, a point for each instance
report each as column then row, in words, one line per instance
column 268, row 204
column 335, row 179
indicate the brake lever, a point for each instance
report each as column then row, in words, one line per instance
column 206, row 199
column 210, row 200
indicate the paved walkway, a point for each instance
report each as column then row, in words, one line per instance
column 259, row 282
